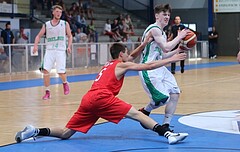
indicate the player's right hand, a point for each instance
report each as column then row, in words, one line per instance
column 35, row 49
column 182, row 33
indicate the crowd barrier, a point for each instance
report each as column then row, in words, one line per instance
column 84, row 55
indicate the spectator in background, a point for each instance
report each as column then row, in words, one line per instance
column 108, row 30
column 175, row 28
column 71, row 20
column 88, row 9
column 115, row 28
column 119, row 18
column 75, row 10
column 81, row 22
column 124, row 29
column 91, row 32
column 22, row 35
column 128, row 42
column 7, row 37
column 80, row 6
column 213, row 39
column 74, row 39
column 80, row 36
column 128, row 21
column 19, row 51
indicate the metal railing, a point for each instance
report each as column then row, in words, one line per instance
column 84, row 55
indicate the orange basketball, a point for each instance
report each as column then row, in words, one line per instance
column 189, row 41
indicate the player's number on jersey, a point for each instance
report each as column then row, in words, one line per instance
column 100, row 74
column 56, row 45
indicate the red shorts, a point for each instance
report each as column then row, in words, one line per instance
column 95, row 105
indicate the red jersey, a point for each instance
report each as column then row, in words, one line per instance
column 107, row 79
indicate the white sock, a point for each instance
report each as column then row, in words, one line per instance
column 167, row 118
column 47, row 88
column 150, row 107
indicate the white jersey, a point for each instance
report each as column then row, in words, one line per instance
column 152, row 51
column 56, row 36
column 160, row 82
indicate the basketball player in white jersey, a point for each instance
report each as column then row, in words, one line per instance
column 160, row 84
column 56, row 31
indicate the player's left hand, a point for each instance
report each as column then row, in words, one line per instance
column 69, row 50
column 181, row 48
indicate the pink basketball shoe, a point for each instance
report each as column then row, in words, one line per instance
column 66, row 88
column 47, row 95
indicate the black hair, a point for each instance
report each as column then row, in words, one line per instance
column 116, row 48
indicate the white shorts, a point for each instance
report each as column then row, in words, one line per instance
column 159, row 84
column 55, row 56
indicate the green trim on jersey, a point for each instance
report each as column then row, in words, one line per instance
column 157, row 96
column 41, row 68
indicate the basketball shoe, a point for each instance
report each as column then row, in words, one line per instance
column 66, row 88
column 174, row 138
column 28, row 132
column 47, row 95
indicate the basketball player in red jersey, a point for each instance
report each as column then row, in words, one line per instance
column 101, row 101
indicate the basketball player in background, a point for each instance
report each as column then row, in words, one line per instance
column 175, row 28
column 101, row 101
column 160, row 84
column 56, row 31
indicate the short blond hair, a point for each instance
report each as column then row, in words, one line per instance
column 57, row 6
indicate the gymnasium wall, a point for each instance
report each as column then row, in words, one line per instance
column 228, row 27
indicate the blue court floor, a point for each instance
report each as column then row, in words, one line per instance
column 130, row 136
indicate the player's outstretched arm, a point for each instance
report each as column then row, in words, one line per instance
column 152, row 65
column 135, row 53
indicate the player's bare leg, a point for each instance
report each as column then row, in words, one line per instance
column 153, row 125
column 170, row 108
column 46, row 79
column 31, row 132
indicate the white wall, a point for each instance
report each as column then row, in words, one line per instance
column 14, row 23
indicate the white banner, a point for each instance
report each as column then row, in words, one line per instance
column 222, row 6
column 7, row 8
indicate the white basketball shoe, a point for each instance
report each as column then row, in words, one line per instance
column 173, row 138
column 28, row 132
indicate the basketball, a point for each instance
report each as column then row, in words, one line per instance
column 189, row 41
